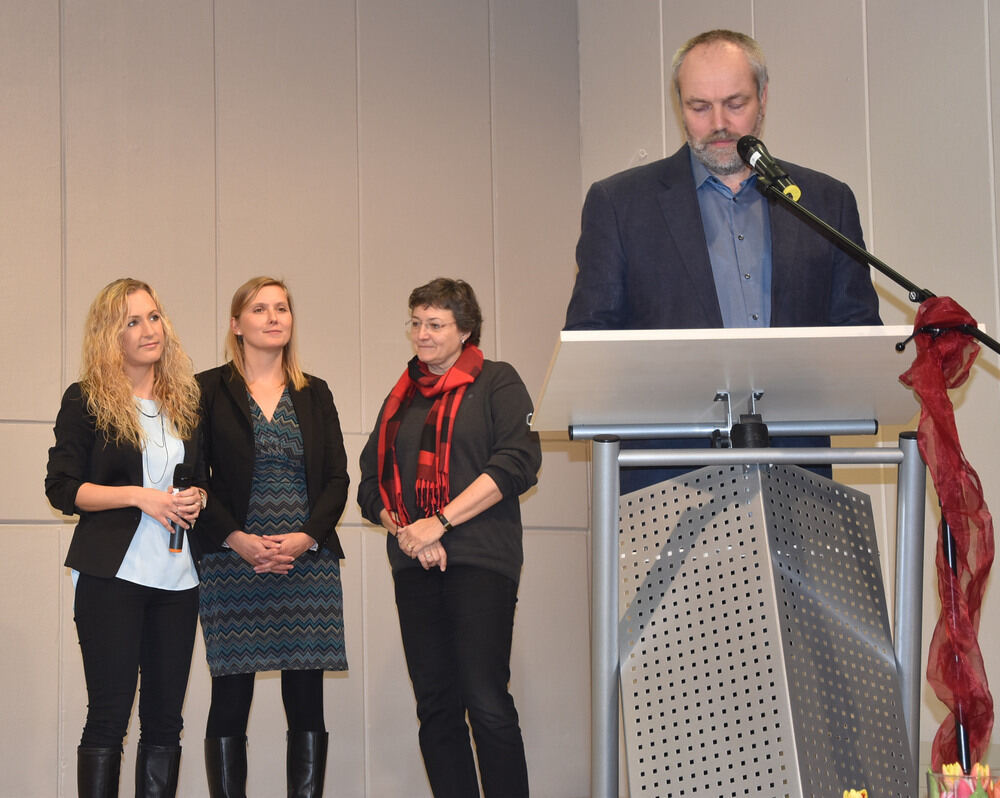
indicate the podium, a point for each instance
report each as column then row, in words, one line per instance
column 612, row 385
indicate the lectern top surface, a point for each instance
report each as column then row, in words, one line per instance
column 673, row 376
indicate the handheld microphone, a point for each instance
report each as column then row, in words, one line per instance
column 755, row 155
column 183, row 477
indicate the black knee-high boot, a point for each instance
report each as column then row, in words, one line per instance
column 156, row 769
column 97, row 771
column 305, row 763
column 226, row 766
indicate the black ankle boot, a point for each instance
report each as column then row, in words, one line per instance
column 97, row 771
column 305, row 763
column 226, row 766
column 156, row 768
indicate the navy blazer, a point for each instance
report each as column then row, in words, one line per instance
column 82, row 454
column 644, row 263
column 227, row 437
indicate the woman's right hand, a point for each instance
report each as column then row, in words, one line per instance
column 256, row 550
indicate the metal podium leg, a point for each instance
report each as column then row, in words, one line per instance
column 604, row 619
column 911, row 492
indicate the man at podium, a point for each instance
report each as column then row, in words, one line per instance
column 692, row 240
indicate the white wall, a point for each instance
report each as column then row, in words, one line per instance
column 357, row 149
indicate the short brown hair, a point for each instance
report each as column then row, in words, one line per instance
column 456, row 296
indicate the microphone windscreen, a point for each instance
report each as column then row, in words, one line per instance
column 183, row 476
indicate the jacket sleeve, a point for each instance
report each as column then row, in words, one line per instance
column 516, row 453
column 599, row 300
column 331, row 493
column 852, row 296
column 69, row 458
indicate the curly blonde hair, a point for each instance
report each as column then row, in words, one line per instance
column 102, row 373
column 242, row 299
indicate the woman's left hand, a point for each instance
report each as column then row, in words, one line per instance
column 433, row 555
column 414, row 537
column 290, row 546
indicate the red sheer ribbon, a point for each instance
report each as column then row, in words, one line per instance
column 955, row 663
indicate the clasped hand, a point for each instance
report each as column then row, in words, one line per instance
column 421, row 541
column 270, row 554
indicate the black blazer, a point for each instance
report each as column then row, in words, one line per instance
column 82, row 454
column 644, row 263
column 227, row 437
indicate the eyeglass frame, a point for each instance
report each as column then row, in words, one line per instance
column 413, row 326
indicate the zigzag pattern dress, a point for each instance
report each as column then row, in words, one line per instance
column 260, row 622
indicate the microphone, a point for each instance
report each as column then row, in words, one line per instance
column 756, row 156
column 183, row 477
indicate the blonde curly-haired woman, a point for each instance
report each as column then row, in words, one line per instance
column 120, row 432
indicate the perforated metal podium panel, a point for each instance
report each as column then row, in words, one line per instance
column 754, row 643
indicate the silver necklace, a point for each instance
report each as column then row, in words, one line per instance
column 162, row 445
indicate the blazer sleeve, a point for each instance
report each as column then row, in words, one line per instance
column 853, row 299
column 599, row 300
column 326, row 475
column 69, row 458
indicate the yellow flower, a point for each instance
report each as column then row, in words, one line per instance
column 856, row 793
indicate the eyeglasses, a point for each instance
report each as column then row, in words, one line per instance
column 412, row 326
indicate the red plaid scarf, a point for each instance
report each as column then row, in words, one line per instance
column 435, row 440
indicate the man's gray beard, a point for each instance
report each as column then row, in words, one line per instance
column 716, row 165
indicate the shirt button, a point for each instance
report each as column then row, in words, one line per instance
column 755, row 317
column 740, row 236
column 746, row 276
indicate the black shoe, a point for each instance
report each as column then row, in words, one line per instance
column 226, row 766
column 156, row 768
column 97, row 771
column 305, row 763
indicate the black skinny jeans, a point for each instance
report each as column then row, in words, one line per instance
column 129, row 631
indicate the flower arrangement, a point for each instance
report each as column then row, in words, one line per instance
column 951, row 782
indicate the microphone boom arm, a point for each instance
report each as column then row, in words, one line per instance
column 915, row 293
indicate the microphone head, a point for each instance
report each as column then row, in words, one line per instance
column 183, row 476
column 747, row 146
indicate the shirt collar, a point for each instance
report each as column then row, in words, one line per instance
column 702, row 177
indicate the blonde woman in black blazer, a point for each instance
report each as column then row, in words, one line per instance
column 119, row 434
column 271, row 596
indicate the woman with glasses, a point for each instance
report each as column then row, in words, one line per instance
column 442, row 472
column 120, row 433
column 271, row 596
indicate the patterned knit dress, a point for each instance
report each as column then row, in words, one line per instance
column 260, row 622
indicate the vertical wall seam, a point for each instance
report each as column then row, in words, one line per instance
column 491, row 77
column 217, row 350
column 64, row 342
column 991, row 159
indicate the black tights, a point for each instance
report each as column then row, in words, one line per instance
column 301, row 693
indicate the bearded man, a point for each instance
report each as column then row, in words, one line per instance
column 692, row 240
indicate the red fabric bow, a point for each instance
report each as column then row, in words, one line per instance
column 955, row 668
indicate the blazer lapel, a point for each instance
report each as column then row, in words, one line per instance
column 678, row 202
column 785, row 255
column 234, row 385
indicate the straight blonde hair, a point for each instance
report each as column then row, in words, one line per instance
column 242, row 299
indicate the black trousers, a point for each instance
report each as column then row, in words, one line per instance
column 129, row 632
column 457, row 628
